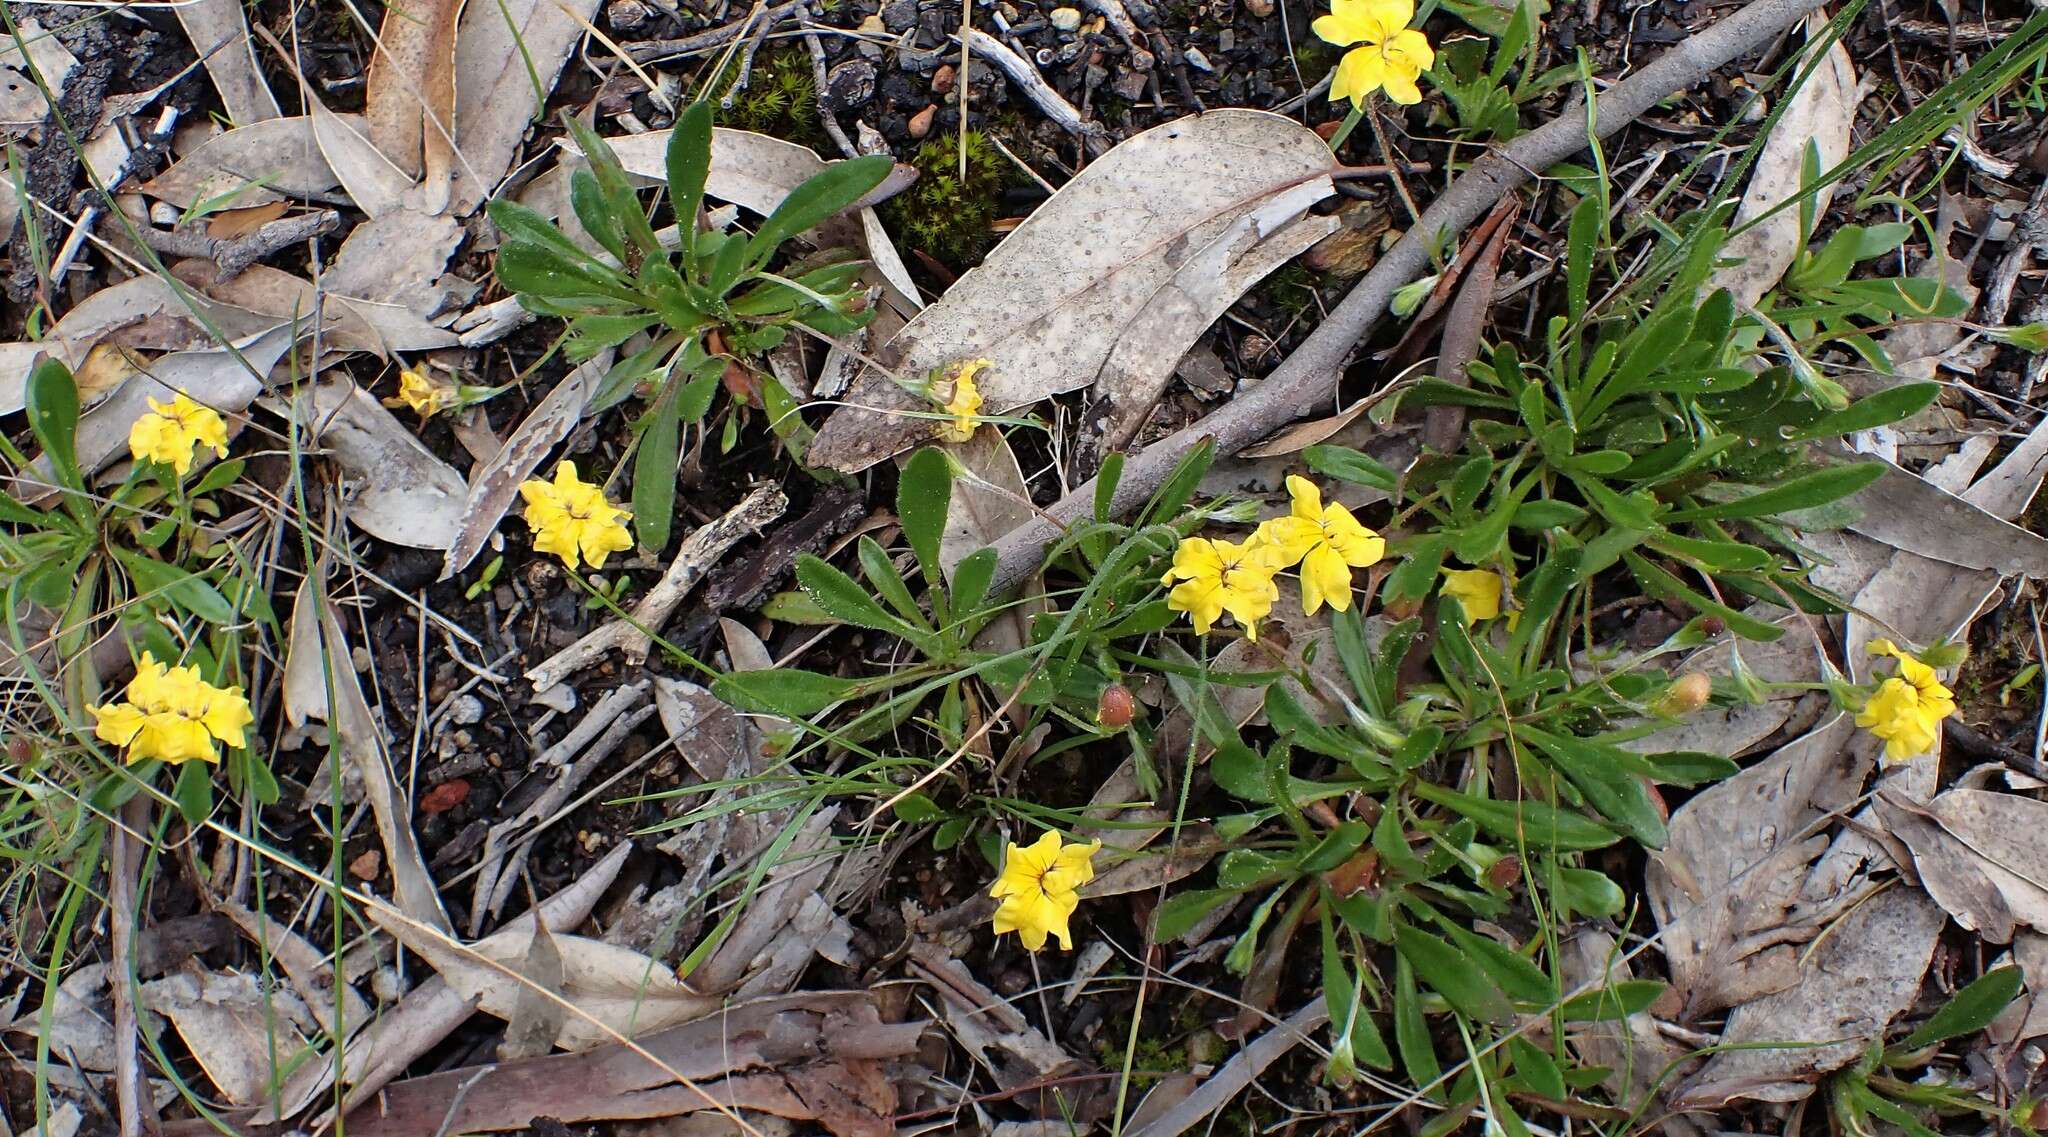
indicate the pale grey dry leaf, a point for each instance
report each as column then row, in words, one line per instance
column 373, row 181
column 507, row 56
column 1820, row 114
column 1222, row 1087
column 2027, row 1017
column 1979, row 857
column 219, row 32
column 1905, row 512
column 1050, row 307
column 334, row 1008
column 81, row 1028
column 400, row 492
column 496, row 482
column 276, row 159
column 410, row 81
column 1729, row 880
column 352, row 323
column 1846, row 991
column 536, row 1018
column 397, row 258
column 233, row 1027
column 1015, row 1052
column 616, row 989
column 22, row 105
column 747, row 948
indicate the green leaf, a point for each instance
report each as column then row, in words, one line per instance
column 1243, row 869
column 1182, row 911
column 1106, row 481
column 1525, row 822
column 1179, row 487
column 1805, row 492
column 825, row 193
column 924, row 492
column 1691, row 767
column 971, row 579
column 1516, row 977
column 51, row 401
column 191, row 593
column 1350, row 1021
column 917, row 809
column 882, row 575
column 1580, row 248
column 1883, row 408
column 194, row 792
column 1664, row 586
column 785, row 691
column 1616, row 793
column 689, row 166
column 1416, row 575
column 1411, row 1030
column 587, row 201
column 845, row 600
column 1547, row 514
column 1970, row 1011
column 1348, row 465
column 1336, row 847
column 654, row 468
column 1451, row 975
column 524, row 267
column 1589, row 892
column 1615, row 1001
column 1536, row 1070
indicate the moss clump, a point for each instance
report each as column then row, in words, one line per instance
column 943, row 214
column 780, row 99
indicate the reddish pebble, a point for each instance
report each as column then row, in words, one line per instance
column 367, row 866
column 921, row 122
column 942, row 79
column 445, row 796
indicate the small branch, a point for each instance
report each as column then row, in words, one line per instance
column 237, row 253
column 820, row 78
column 701, row 551
column 124, row 865
column 1034, row 86
column 1309, row 376
column 657, row 49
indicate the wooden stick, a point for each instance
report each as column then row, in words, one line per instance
column 1309, row 376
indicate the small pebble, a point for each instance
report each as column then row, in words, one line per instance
column 942, row 80
column 1226, row 40
column 921, row 122
column 367, row 866
column 1197, row 60
column 466, row 710
column 626, row 14
column 1259, row 9
column 849, row 85
column 899, row 15
column 1065, row 19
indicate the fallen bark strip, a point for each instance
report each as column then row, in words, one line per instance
column 1309, row 376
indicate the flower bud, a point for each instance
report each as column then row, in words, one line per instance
column 1116, row 707
column 2026, row 337
column 1687, row 693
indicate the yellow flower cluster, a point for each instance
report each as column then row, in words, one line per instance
column 961, row 398
column 1390, row 55
column 1040, row 888
column 173, row 715
column 172, row 432
column 1906, row 710
column 572, row 518
column 1210, row 578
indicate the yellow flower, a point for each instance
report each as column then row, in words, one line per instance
column 1392, row 56
column 173, row 715
column 961, row 399
column 1039, row 889
column 571, row 517
column 1328, row 542
column 171, row 432
column 1906, row 710
column 1477, row 591
column 1218, row 577
column 426, row 397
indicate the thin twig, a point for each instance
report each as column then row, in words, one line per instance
column 659, row 49
column 1308, row 376
column 233, row 254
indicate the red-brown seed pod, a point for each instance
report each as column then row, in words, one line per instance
column 1505, row 871
column 1116, row 708
column 1713, row 625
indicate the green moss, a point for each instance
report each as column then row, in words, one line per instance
column 946, row 216
column 780, row 99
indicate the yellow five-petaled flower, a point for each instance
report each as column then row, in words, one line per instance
column 1906, row 710
column 571, row 518
column 1040, row 888
column 1391, row 56
column 1328, row 542
column 171, row 432
column 1477, row 592
column 426, row 397
column 1218, row 577
column 173, row 715
column 961, row 398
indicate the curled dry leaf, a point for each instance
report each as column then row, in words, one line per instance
column 397, row 258
column 352, row 323
column 233, row 1026
column 401, row 493
column 1978, row 856
column 273, row 160
column 1107, row 283
column 1819, row 114
column 409, row 96
column 376, row 184
column 22, row 105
